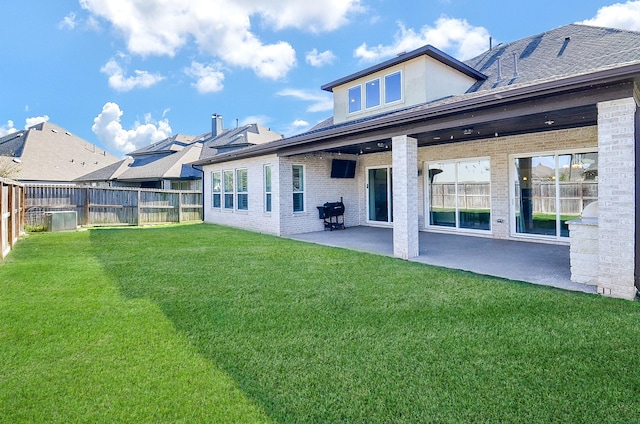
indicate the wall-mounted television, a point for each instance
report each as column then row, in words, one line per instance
column 343, row 168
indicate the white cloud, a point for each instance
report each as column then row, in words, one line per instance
column 222, row 30
column 68, row 21
column 319, row 102
column 209, row 77
column 30, row 122
column 119, row 82
column 618, row 15
column 7, row 128
column 108, row 128
column 320, row 59
column 454, row 36
column 296, row 127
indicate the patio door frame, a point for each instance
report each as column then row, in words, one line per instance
column 389, row 182
column 513, row 175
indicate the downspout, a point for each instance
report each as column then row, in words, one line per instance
column 202, row 171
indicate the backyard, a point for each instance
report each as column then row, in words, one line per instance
column 201, row 323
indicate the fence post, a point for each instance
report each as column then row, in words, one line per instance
column 179, row 207
column 87, row 209
column 138, row 208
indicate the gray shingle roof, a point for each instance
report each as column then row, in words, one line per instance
column 569, row 50
column 50, row 153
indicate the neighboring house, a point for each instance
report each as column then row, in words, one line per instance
column 166, row 164
column 47, row 153
column 512, row 144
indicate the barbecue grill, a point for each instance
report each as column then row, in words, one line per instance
column 332, row 213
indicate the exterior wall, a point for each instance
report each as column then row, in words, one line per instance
column 584, row 251
column 616, row 198
column 319, row 188
column 423, row 78
column 499, row 149
column 255, row 218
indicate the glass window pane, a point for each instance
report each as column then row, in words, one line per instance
column 298, row 202
column 216, row 186
column 267, row 178
column 267, row 205
column 393, row 87
column 474, row 197
column 536, row 195
column 578, row 186
column 380, row 196
column 442, row 194
column 228, row 189
column 373, row 93
column 355, row 99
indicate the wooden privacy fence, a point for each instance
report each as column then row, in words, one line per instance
column 112, row 206
column 11, row 214
column 574, row 196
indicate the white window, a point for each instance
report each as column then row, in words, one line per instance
column 355, row 99
column 393, row 87
column 228, row 189
column 298, row 188
column 372, row 93
column 242, row 189
column 267, row 188
column 216, row 189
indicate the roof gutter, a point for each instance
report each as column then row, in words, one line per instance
column 466, row 103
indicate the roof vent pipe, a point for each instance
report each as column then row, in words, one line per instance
column 499, row 70
column 515, row 66
column 216, row 125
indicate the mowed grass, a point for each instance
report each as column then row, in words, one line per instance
column 201, row 323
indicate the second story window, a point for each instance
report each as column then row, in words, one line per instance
column 372, row 93
column 355, row 99
column 393, row 87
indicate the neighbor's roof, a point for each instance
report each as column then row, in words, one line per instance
column 244, row 136
column 171, row 158
column 168, row 145
column 47, row 152
column 574, row 55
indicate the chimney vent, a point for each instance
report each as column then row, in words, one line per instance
column 216, row 125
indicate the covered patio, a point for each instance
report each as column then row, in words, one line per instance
column 536, row 263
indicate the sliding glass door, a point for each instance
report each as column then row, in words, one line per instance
column 551, row 189
column 379, row 195
column 459, row 194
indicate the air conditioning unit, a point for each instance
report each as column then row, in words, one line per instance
column 61, row 221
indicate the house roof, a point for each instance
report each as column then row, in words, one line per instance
column 171, row 144
column 568, row 59
column 244, row 136
column 47, row 152
column 427, row 50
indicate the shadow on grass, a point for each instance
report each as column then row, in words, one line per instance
column 316, row 334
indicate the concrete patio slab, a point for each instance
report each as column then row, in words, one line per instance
column 537, row 263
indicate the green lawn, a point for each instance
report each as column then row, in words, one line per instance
column 200, row 323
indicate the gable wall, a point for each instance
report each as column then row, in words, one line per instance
column 424, row 79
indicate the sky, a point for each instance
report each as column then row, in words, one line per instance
column 123, row 74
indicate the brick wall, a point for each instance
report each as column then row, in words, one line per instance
column 616, row 197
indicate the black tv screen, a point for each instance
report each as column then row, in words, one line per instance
column 342, row 168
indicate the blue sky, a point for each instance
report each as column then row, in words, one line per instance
column 125, row 73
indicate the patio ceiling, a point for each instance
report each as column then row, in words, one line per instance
column 464, row 131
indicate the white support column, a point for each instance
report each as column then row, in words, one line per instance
column 405, row 197
column 616, row 198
